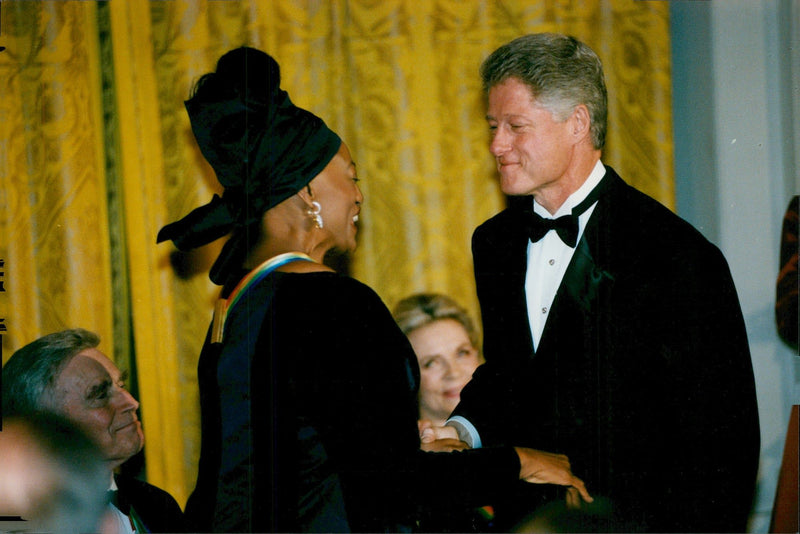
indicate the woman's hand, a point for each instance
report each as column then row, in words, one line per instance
column 443, row 445
column 539, row 467
column 439, row 438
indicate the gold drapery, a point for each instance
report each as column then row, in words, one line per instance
column 96, row 154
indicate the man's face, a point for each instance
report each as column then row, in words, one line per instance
column 533, row 151
column 91, row 392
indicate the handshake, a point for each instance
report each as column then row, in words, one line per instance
column 536, row 467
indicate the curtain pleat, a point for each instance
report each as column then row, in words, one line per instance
column 142, row 168
column 96, row 154
column 53, row 215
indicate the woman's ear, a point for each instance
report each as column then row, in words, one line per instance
column 306, row 194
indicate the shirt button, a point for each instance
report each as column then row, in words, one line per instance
column 552, row 262
column 544, row 310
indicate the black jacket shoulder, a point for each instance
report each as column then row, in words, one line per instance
column 158, row 509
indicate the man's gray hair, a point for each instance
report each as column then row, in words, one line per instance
column 561, row 73
column 31, row 372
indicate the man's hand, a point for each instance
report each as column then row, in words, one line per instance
column 439, row 438
column 574, row 498
column 539, row 467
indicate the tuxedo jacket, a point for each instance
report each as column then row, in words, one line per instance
column 157, row 508
column 642, row 375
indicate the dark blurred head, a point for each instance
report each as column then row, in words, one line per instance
column 51, row 474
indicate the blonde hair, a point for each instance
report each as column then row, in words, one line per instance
column 422, row 309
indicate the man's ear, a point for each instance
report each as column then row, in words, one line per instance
column 581, row 122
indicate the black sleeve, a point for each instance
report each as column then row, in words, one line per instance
column 496, row 395
column 683, row 434
column 712, row 401
column 157, row 508
column 364, row 379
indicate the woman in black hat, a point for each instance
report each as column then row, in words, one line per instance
column 307, row 386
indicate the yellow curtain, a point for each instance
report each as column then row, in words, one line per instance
column 97, row 154
column 53, row 212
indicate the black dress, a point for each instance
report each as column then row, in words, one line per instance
column 309, row 419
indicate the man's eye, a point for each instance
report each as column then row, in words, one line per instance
column 99, row 395
column 101, row 391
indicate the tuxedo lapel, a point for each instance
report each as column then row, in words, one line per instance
column 574, row 300
column 584, row 280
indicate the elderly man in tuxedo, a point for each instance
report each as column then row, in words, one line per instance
column 616, row 338
column 65, row 374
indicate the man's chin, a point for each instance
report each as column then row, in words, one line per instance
column 513, row 186
column 126, row 449
column 138, row 446
column 121, row 457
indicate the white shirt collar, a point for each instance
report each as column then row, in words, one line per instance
column 577, row 196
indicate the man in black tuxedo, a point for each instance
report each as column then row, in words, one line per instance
column 616, row 339
column 64, row 374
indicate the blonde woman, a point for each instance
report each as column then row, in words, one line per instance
column 446, row 343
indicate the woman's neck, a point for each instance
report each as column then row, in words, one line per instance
column 286, row 229
column 269, row 247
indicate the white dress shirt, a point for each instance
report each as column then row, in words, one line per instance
column 549, row 257
column 119, row 522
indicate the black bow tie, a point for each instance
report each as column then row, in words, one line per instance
column 565, row 226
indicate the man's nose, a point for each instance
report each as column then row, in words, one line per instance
column 500, row 142
column 125, row 400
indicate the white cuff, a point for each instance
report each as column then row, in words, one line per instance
column 466, row 431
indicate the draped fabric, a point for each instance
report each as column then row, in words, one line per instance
column 96, row 154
